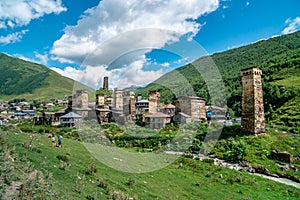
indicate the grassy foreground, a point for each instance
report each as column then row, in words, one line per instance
column 45, row 172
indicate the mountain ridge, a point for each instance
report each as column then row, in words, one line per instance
column 24, row 79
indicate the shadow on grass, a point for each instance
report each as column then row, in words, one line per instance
column 233, row 131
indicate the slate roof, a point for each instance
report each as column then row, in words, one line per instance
column 71, row 115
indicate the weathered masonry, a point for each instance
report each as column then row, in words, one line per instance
column 253, row 117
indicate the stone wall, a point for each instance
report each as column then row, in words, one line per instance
column 282, row 156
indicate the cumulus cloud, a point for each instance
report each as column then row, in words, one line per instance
column 13, row 37
column 126, row 31
column 129, row 75
column 21, row 12
column 113, row 17
column 43, row 58
column 292, row 25
column 69, row 72
column 165, row 64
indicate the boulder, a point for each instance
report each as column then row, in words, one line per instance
column 282, row 156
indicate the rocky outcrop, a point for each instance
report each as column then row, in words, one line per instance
column 282, row 156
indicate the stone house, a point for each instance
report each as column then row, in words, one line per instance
column 182, row 118
column 157, row 120
column 71, row 119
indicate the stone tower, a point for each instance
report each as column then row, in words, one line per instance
column 154, row 101
column 105, row 83
column 100, row 99
column 81, row 99
column 193, row 106
column 253, row 117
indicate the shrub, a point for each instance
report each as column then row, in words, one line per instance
column 103, row 184
column 130, row 181
column 118, row 195
column 91, row 168
column 231, row 150
column 62, row 158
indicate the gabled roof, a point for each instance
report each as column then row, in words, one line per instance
column 71, row 115
column 184, row 115
column 170, row 106
column 215, row 108
column 143, row 101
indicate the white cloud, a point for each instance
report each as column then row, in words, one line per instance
column 247, row 3
column 165, row 64
column 113, row 17
column 12, row 38
column 69, row 72
column 132, row 74
column 115, row 27
column 43, row 58
column 292, row 25
column 21, row 12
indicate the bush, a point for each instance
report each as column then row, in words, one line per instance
column 103, row 184
column 62, row 158
column 91, row 168
column 231, row 150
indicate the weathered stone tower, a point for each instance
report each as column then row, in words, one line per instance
column 125, row 101
column 118, row 99
column 193, row 106
column 105, row 83
column 100, row 99
column 253, row 117
column 81, row 99
column 154, row 101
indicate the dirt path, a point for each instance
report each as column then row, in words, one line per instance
column 12, row 191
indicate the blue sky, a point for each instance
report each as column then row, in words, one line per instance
column 136, row 41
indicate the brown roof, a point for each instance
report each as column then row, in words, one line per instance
column 215, row 108
column 169, row 106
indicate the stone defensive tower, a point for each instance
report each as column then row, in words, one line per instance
column 193, row 106
column 81, row 98
column 105, row 83
column 253, row 117
column 154, row 101
column 100, row 99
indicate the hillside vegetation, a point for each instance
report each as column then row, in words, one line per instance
column 32, row 169
column 23, row 79
column 279, row 59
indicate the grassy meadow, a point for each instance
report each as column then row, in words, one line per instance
column 45, row 172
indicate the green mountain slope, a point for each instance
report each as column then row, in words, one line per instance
column 23, row 79
column 279, row 59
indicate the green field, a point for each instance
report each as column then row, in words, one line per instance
column 46, row 172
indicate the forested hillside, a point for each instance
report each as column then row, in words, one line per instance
column 22, row 79
column 279, row 59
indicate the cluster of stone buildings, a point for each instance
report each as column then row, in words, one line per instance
column 149, row 112
column 125, row 106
